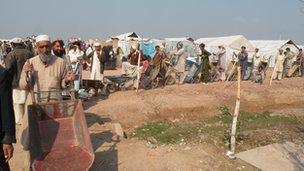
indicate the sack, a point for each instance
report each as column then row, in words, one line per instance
column 145, row 82
column 247, row 74
column 190, row 78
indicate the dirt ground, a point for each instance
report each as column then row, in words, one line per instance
column 190, row 102
column 185, row 103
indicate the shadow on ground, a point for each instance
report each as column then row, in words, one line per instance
column 106, row 154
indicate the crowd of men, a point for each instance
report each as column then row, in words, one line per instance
column 213, row 66
column 41, row 65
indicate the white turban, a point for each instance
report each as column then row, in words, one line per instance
column 97, row 44
column 16, row 40
column 42, row 38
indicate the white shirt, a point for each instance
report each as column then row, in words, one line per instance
column 74, row 55
column 95, row 73
column 96, row 62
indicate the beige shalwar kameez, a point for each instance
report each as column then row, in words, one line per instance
column 47, row 77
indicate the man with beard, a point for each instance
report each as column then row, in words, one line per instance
column 59, row 51
column 58, row 48
column 47, row 72
column 14, row 63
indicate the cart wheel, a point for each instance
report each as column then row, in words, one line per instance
column 196, row 80
column 155, row 84
column 112, row 88
column 170, row 80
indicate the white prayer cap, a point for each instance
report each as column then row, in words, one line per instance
column 97, row 44
column 42, row 38
column 16, row 40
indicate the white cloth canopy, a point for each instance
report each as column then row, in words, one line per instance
column 128, row 36
column 233, row 42
column 269, row 48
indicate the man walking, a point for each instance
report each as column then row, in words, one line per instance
column 14, row 63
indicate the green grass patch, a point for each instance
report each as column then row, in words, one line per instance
column 165, row 132
column 217, row 128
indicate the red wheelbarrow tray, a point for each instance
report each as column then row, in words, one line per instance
column 59, row 137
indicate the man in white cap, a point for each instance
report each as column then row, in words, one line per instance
column 97, row 61
column 14, row 62
column 42, row 73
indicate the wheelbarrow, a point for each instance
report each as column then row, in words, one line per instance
column 96, row 85
column 59, row 137
column 117, row 83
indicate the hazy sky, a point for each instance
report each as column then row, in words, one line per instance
column 256, row 19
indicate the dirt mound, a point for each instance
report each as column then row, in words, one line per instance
column 192, row 102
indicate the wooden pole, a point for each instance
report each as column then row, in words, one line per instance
column 236, row 113
column 272, row 75
column 138, row 71
column 32, row 96
column 231, row 72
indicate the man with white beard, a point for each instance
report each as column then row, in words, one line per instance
column 48, row 72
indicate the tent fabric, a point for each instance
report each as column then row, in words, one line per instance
column 233, row 42
column 300, row 46
column 269, row 48
column 148, row 49
column 128, row 36
column 191, row 50
column 179, row 39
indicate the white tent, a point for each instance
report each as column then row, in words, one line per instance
column 269, row 48
column 300, row 46
column 233, row 42
column 125, row 41
column 191, row 50
column 178, row 39
column 5, row 40
column 232, row 45
column 128, row 36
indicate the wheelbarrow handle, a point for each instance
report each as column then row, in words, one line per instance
column 41, row 92
column 33, row 96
